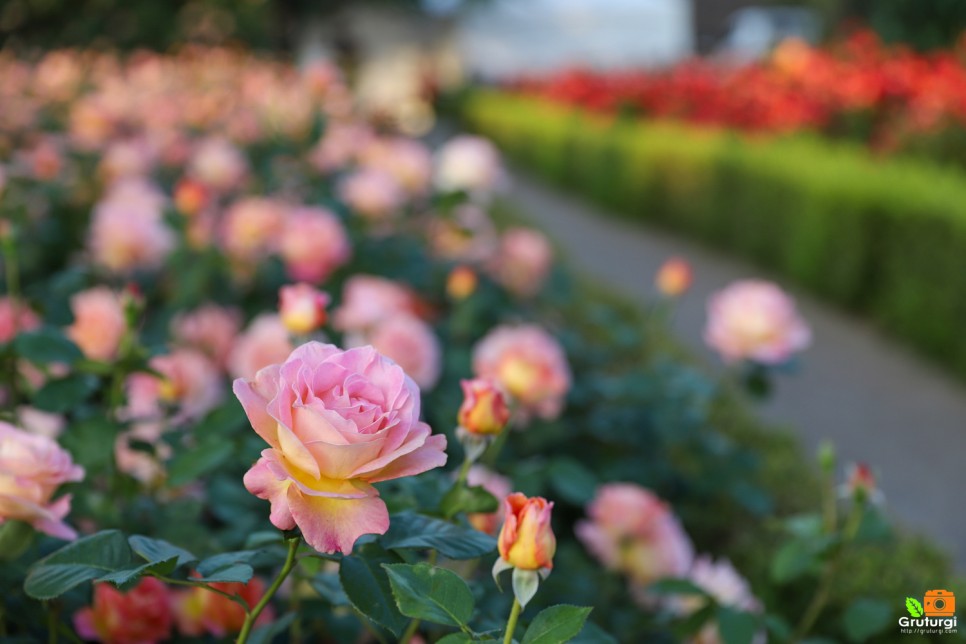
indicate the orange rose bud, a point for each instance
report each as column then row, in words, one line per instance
column 674, row 277
column 190, row 197
column 461, row 283
column 484, row 410
column 526, row 541
column 302, row 308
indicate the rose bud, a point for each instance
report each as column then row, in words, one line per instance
column 860, row 484
column 526, row 544
column 302, row 308
column 674, row 277
column 484, row 410
column 461, row 283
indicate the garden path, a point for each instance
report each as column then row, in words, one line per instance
column 876, row 400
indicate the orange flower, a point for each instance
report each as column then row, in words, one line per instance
column 526, row 541
column 674, row 277
column 484, row 409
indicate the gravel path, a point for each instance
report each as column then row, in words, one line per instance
column 876, row 400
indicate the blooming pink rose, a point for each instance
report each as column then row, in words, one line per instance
column 468, row 236
column 142, row 615
column 408, row 162
column 126, row 159
column 529, row 364
column 302, row 308
column 367, row 300
column 755, row 320
column 127, row 230
column 265, row 342
column 498, row 486
column 632, row 531
column 40, row 422
column 313, row 244
column 188, row 382
column 210, row 329
column 412, row 344
column 199, row 611
column 99, row 323
column 372, row 193
column 469, row 163
column 218, row 164
column 337, row 422
column 15, row 317
column 721, row 581
column 251, row 228
column 523, row 261
column 32, row 467
column 339, row 145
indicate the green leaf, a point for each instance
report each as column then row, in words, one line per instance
column 591, row 633
column 86, row 441
column 799, row 556
column 127, row 577
column 227, row 567
column 156, row 550
column 672, row 586
column 556, row 624
column 572, row 481
column 191, row 465
column 737, row 627
column 15, row 538
column 914, row 607
column 367, row 586
column 267, row 633
column 456, row 638
column 63, row 394
column 46, row 345
column 431, row 594
column 411, row 530
column 328, row 587
column 84, row 560
column 867, row 617
column 461, row 498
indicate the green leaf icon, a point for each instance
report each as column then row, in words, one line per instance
column 914, row 607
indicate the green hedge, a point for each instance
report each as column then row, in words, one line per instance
column 885, row 237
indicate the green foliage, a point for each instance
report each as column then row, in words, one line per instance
column 410, row 530
column 432, row 594
column 865, row 618
column 556, row 624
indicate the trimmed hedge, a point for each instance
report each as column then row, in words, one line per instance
column 885, row 237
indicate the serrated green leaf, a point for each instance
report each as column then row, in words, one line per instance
column 914, row 607
column 366, row 584
column 84, row 560
column 556, row 624
column 227, row 567
column 867, row 617
column 155, row 550
column 127, row 577
column 411, row 530
column 431, row 594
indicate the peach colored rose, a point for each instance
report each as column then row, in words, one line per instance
column 126, row 159
column 633, row 532
column 42, row 423
column 527, row 363
column 127, row 231
column 526, row 540
column 188, row 383
column 484, row 409
column 142, row 615
column 302, row 308
column 32, row 467
column 265, row 342
column 210, row 329
column 218, row 164
column 251, row 228
column 467, row 236
column 412, row 344
column 498, row 486
column 15, row 317
column 313, row 244
column 336, row 422
column 99, row 323
column 367, row 300
column 373, row 194
column 191, row 197
column 201, row 612
column 406, row 160
column 469, row 163
column 674, row 277
column 755, row 320
column 339, row 146
column 461, row 283
column 523, row 261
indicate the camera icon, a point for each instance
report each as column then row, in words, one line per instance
column 939, row 603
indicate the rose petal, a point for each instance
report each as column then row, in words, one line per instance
column 333, row 525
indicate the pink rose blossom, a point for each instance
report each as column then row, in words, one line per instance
column 141, row 615
column 265, row 342
column 468, row 236
column 210, row 329
column 218, row 164
column 99, row 323
column 336, row 422
column 15, row 317
column 373, row 194
column 189, row 383
column 367, row 299
column 755, row 320
column 42, row 423
column 406, row 160
column 498, row 486
column 126, row 159
column 469, row 163
column 127, row 230
column 252, row 227
column 633, row 532
column 529, row 364
column 412, row 344
column 523, row 261
column 32, row 467
column 314, row 243
column 302, row 308
column 339, row 145
column 728, row 588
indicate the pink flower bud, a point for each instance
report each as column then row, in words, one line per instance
column 302, row 308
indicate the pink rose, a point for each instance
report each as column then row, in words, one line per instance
column 339, row 145
column 189, row 383
column 529, row 364
column 469, row 163
column 32, row 467
column 140, row 616
column 721, row 581
column 313, row 244
column 126, row 159
column 127, row 230
column 99, row 323
column 302, row 308
column 755, row 320
column 218, row 164
column 633, row 532
column 372, row 193
column 467, row 236
column 406, row 160
column 498, row 486
column 251, row 228
column 412, row 344
column 42, row 423
column 336, row 422
column 265, row 342
column 15, row 317
column 523, row 261
column 210, row 329
column 367, row 300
